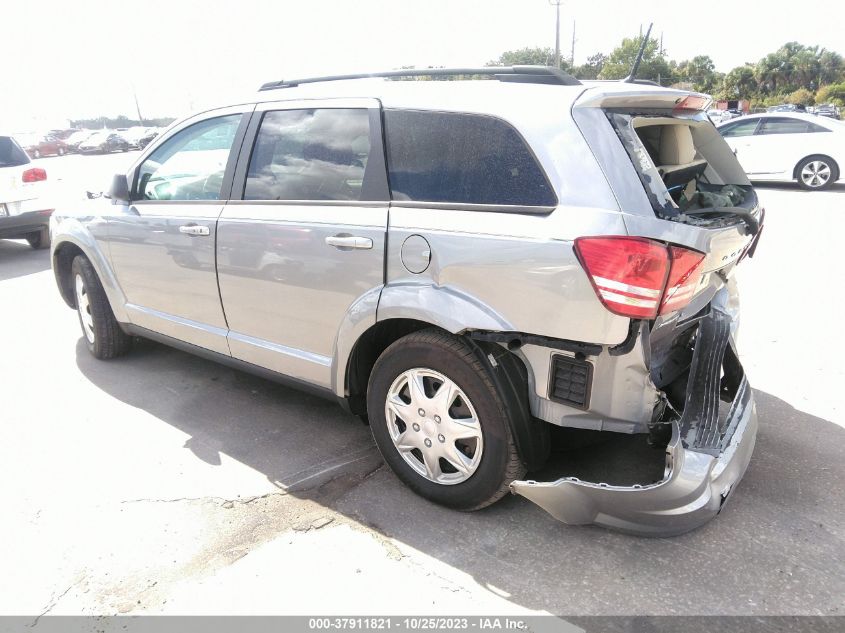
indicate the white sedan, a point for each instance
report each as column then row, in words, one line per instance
column 786, row 147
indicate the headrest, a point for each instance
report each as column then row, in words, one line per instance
column 676, row 147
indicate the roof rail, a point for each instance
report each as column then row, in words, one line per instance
column 519, row 74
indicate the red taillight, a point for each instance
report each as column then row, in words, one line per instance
column 628, row 273
column 684, row 276
column 637, row 277
column 36, row 174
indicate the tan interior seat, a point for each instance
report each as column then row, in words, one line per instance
column 677, row 151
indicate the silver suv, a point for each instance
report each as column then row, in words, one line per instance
column 465, row 264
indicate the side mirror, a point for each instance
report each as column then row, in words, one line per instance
column 119, row 190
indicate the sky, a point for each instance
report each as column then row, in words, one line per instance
column 83, row 58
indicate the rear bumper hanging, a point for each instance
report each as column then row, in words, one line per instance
column 705, row 458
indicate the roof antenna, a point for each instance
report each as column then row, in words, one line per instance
column 632, row 77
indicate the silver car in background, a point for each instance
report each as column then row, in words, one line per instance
column 464, row 264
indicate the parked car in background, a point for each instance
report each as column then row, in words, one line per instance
column 74, row 140
column 716, row 116
column 104, row 142
column 149, row 137
column 554, row 257
column 720, row 116
column 24, row 209
column 786, row 107
column 828, row 110
column 788, row 146
column 63, row 133
column 38, row 146
column 134, row 135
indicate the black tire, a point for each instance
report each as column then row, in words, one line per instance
column 109, row 340
column 39, row 240
column 61, row 151
column 827, row 163
column 500, row 463
column 36, row 153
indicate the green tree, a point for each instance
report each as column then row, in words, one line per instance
column 831, row 67
column 529, row 57
column 700, row 71
column 739, row 83
column 802, row 96
column 592, row 67
column 620, row 61
column 833, row 93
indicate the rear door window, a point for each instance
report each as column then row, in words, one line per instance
column 315, row 154
column 784, row 125
column 463, row 159
column 10, row 154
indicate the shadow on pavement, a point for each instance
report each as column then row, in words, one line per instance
column 776, row 548
column 18, row 259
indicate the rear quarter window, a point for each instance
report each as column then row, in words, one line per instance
column 463, row 159
column 11, row 155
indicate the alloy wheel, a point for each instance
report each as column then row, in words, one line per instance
column 815, row 174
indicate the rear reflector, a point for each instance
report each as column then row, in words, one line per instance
column 36, row 174
column 637, row 277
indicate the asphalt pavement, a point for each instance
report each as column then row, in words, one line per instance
column 164, row 483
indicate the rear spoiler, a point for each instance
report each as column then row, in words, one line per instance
column 614, row 94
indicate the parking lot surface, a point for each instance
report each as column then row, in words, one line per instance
column 163, row 483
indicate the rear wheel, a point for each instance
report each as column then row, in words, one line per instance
column 61, row 151
column 36, row 153
column 101, row 330
column 439, row 421
column 817, row 172
column 39, row 240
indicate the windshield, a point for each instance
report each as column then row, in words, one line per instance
column 10, row 154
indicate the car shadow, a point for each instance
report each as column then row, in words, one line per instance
column 17, row 259
column 775, row 548
column 837, row 187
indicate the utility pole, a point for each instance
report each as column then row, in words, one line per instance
column 572, row 54
column 556, row 4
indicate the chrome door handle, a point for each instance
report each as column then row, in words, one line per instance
column 346, row 242
column 194, row 229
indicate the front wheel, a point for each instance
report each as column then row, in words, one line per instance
column 101, row 330
column 817, row 172
column 439, row 421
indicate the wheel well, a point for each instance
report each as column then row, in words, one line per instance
column 833, row 164
column 506, row 369
column 368, row 348
column 63, row 257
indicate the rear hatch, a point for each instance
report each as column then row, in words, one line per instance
column 691, row 216
column 676, row 180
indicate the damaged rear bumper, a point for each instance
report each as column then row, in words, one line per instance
column 705, row 459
